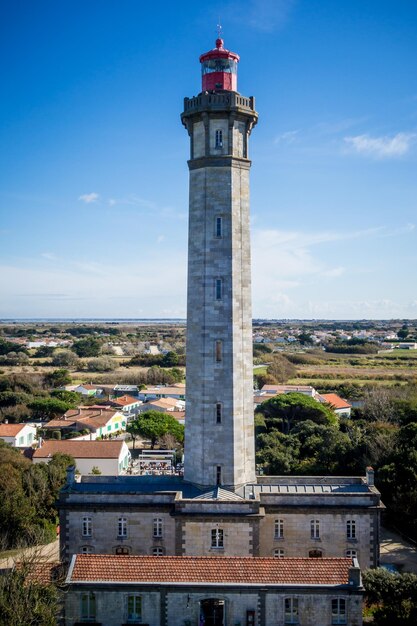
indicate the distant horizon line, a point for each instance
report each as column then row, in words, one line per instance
column 120, row 320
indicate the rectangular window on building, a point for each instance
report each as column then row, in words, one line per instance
column 219, row 289
column 279, row 529
column 219, row 138
column 219, row 351
column 87, row 527
column 351, row 529
column 88, row 607
column 219, row 227
column 338, row 611
column 217, row 538
column 352, row 554
column 218, row 475
column 134, row 609
column 86, row 550
column 279, row 553
column 122, row 527
column 157, row 527
column 218, row 412
column 157, row 551
column 291, row 610
column 315, row 529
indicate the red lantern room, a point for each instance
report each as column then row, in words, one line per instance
column 219, row 69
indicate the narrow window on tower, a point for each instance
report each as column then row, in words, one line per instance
column 219, row 289
column 219, row 351
column 218, row 412
column 218, row 475
column 219, row 139
column 219, row 227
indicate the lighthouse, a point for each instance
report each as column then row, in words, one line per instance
column 219, row 431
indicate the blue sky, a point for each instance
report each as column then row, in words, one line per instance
column 93, row 173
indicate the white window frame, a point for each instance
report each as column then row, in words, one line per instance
column 352, row 554
column 87, row 549
column 351, row 529
column 135, row 616
column 157, row 527
column 157, row 551
column 339, row 611
column 217, row 538
column 88, row 601
column 279, row 529
column 279, row 553
column 290, row 610
column 122, row 527
column 87, row 526
column 315, row 529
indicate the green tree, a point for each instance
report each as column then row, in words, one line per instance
column 170, row 359
column 26, row 599
column 65, row 358
column 153, row 425
column 58, row 378
column 286, row 410
column 49, row 407
column 393, row 595
column 87, row 347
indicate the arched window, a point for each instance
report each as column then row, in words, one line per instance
column 122, row 550
column 352, row 554
column 87, row 549
column 315, row 554
column 157, row 551
column 279, row 553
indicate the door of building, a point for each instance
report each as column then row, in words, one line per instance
column 212, row 612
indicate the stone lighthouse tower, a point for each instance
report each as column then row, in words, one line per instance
column 219, row 432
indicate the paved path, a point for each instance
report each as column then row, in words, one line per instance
column 48, row 552
column 396, row 550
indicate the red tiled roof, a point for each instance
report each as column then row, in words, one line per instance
column 125, row 400
column 210, row 570
column 335, row 401
column 42, row 572
column 10, row 430
column 80, row 449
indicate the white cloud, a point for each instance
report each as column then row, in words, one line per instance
column 88, row 198
column 381, row 147
column 262, row 15
column 290, row 136
column 50, row 256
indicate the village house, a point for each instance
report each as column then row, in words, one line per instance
column 178, row 591
column 107, row 457
column 18, row 435
column 163, row 405
column 341, row 407
column 156, row 393
column 98, row 421
column 88, row 390
column 127, row 404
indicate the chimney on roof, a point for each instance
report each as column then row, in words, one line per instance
column 370, row 476
column 70, row 475
column 355, row 578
